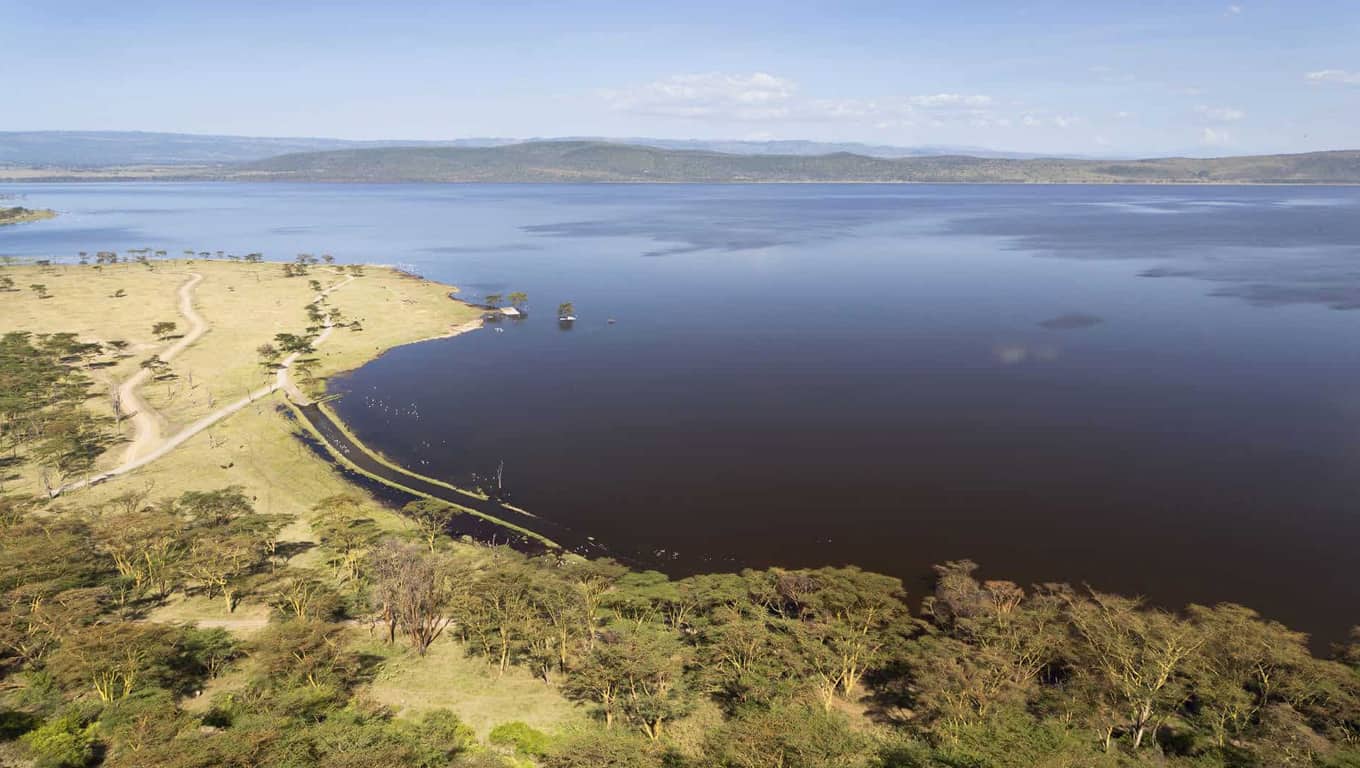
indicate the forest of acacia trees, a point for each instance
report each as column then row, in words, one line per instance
column 780, row 668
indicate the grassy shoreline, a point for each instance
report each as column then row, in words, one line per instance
column 21, row 215
column 346, row 462
column 245, row 305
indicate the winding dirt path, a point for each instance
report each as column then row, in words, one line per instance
column 147, row 423
column 148, row 445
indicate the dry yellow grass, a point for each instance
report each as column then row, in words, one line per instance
column 256, row 448
column 447, row 677
column 82, row 301
column 246, row 620
column 244, row 305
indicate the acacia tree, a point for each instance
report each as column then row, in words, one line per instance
column 845, row 618
column 787, row 734
column 742, row 660
column 113, row 659
column 304, row 596
column 145, row 546
column 499, row 606
column 311, row 654
column 1246, row 665
column 990, row 644
column 636, row 674
column 163, row 329
column 346, row 532
column 955, row 684
column 293, row 343
column 432, row 518
column 51, row 584
column 592, row 580
column 223, row 558
column 1133, row 659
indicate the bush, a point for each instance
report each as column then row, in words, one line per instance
column 525, row 740
column 603, row 749
column 438, row 736
column 65, row 741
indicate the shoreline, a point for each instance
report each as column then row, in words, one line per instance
column 184, row 179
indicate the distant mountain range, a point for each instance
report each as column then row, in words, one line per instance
column 99, row 149
column 120, row 156
column 588, row 161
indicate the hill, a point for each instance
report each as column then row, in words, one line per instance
column 52, row 156
column 100, row 149
column 591, row 161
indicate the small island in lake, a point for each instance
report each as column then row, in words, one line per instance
column 20, row 215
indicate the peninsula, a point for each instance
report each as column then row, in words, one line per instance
column 169, row 345
column 20, row 215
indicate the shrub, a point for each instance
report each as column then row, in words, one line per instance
column 65, row 741
column 525, row 740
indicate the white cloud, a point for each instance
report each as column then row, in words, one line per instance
column 951, row 101
column 841, row 109
column 1123, row 114
column 1221, row 114
column 1341, row 76
column 1214, row 138
column 754, row 96
column 1234, row 10
column 760, row 96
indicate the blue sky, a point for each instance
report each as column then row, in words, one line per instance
column 1115, row 78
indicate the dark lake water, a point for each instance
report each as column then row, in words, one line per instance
column 1155, row 390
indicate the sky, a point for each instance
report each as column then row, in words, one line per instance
column 1093, row 78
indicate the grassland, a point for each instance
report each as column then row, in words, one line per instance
column 257, row 448
column 448, row 677
column 244, row 306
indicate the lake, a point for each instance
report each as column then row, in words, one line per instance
column 1154, row 390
